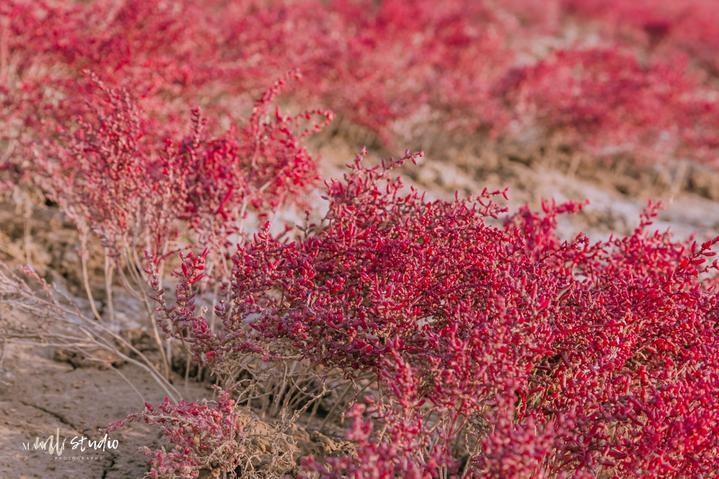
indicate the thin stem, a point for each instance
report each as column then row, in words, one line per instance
column 134, row 265
column 4, row 54
column 109, row 270
column 85, row 278
column 334, row 406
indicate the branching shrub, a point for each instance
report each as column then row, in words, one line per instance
column 496, row 348
column 213, row 437
column 116, row 177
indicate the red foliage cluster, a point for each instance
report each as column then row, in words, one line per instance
column 392, row 66
column 373, row 459
column 499, row 349
column 114, row 174
column 262, row 167
column 203, row 436
column 382, row 63
column 606, row 99
column 664, row 27
column 149, row 46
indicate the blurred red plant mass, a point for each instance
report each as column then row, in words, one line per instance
column 392, row 67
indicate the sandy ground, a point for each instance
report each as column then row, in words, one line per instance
column 41, row 397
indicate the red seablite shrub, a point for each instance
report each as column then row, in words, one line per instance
column 498, row 349
column 115, row 175
column 378, row 64
column 204, row 436
column 691, row 26
column 152, row 44
column 261, row 167
column 373, row 66
column 607, row 100
column 374, row 460
column 394, row 67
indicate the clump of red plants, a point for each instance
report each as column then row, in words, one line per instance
column 210, row 436
column 490, row 346
column 114, row 173
column 143, row 190
column 607, row 101
column 395, row 68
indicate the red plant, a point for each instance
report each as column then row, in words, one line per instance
column 609, row 101
column 394, row 67
column 372, row 460
column 493, row 347
column 153, row 45
column 216, row 437
column 115, row 175
column 689, row 26
column 383, row 64
column 261, row 167
column 498, row 350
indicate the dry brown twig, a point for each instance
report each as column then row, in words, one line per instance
column 68, row 327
